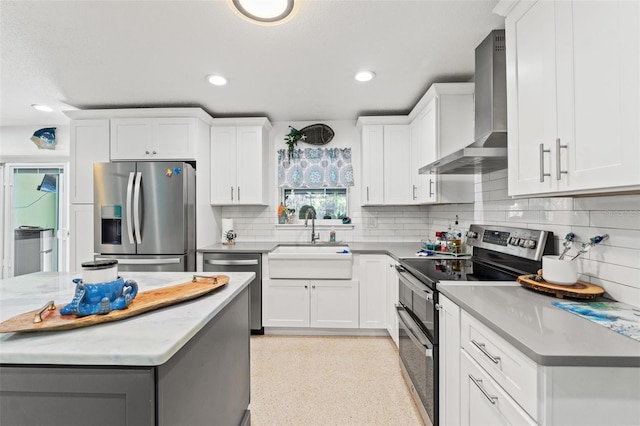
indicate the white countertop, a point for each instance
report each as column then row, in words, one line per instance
column 546, row 334
column 146, row 340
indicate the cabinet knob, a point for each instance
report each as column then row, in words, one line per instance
column 313, row 286
column 306, row 286
column 146, row 152
column 153, row 152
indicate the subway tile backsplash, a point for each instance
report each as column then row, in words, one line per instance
column 614, row 265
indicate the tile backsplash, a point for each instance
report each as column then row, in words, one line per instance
column 613, row 265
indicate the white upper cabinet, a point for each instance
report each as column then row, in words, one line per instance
column 89, row 144
column 386, row 151
column 239, row 161
column 441, row 123
column 573, row 85
column 153, row 138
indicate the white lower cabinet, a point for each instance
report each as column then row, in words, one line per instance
column 310, row 303
column 392, row 300
column 500, row 385
column 371, row 271
column 449, row 361
column 81, row 235
column 483, row 401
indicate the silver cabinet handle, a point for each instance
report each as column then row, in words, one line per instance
column 414, row 192
column 136, row 207
column 478, row 383
column 367, row 193
column 238, row 193
column 232, row 193
column 559, row 171
column 482, row 348
column 128, row 205
column 431, row 193
column 231, row 262
column 542, row 173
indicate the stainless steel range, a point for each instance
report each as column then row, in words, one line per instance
column 499, row 254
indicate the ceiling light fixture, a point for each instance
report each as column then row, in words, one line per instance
column 365, row 76
column 265, row 12
column 217, row 80
column 42, row 108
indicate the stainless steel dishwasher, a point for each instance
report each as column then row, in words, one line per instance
column 241, row 262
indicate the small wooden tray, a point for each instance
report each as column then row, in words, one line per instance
column 580, row 290
column 145, row 301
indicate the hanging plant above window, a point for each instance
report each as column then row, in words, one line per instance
column 315, row 134
column 292, row 140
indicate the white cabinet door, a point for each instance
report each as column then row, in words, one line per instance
column 372, row 165
column 567, row 135
column 334, row 303
column 600, row 126
column 285, row 303
column 131, row 139
column 443, row 126
column 250, row 165
column 223, row 165
column 175, row 138
column 483, row 401
column 89, row 144
column 81, row 235
column 238, row 165
column 372, row 272
column 392, row 300
column 153, row 138
column 397, row 174
column 449, row 317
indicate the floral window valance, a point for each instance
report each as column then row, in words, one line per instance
column 315, row 168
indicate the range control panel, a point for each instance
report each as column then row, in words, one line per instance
column 522, row 242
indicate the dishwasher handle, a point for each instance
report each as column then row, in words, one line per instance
column 231, row 262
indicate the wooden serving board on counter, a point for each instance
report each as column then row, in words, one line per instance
column 580, row 290
column 145, row 301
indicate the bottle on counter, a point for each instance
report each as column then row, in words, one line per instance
column 332, row 235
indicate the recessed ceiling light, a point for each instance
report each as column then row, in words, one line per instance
column 42, row 107
column 217, row 80
column 365, row 75
column 266, row 12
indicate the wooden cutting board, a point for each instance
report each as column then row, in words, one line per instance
column 145, row 301
column 580, row 290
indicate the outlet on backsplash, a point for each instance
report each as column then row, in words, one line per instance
column 372, row 222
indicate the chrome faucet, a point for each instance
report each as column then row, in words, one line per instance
column 311, row 212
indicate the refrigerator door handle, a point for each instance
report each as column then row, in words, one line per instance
column 128, row 207
column 136, row 207
column 164, row 261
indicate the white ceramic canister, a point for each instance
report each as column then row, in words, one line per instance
column 99, row 271
column 561, row 272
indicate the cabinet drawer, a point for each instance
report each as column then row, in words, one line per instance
column 483, row 401
column 510, row 368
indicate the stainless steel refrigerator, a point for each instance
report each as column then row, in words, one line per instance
column 144, row 215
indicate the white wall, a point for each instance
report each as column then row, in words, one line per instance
column 613, row 265
column 16, row 145
column 258, row 223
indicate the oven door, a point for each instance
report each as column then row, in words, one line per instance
column 419, row 300
column 418, row 362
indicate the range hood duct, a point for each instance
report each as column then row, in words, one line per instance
column 489, row 151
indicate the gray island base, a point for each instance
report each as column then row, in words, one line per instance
column 204, row 381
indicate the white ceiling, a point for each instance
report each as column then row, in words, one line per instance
column 89, row 54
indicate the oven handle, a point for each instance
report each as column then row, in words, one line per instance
column 416, row 285
column 419, row 339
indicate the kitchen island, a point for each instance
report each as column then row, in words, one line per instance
column 183, row 364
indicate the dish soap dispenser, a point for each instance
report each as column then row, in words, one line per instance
column 332, row 236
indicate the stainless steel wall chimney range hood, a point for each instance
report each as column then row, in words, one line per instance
column 489, row 151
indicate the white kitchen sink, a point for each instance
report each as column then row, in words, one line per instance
column 313, row 261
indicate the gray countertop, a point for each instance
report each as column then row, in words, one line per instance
column 546, row 334
column 395, row 250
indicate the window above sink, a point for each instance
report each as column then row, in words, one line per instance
column 331, row 205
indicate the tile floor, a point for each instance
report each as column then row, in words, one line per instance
column 302, row 380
